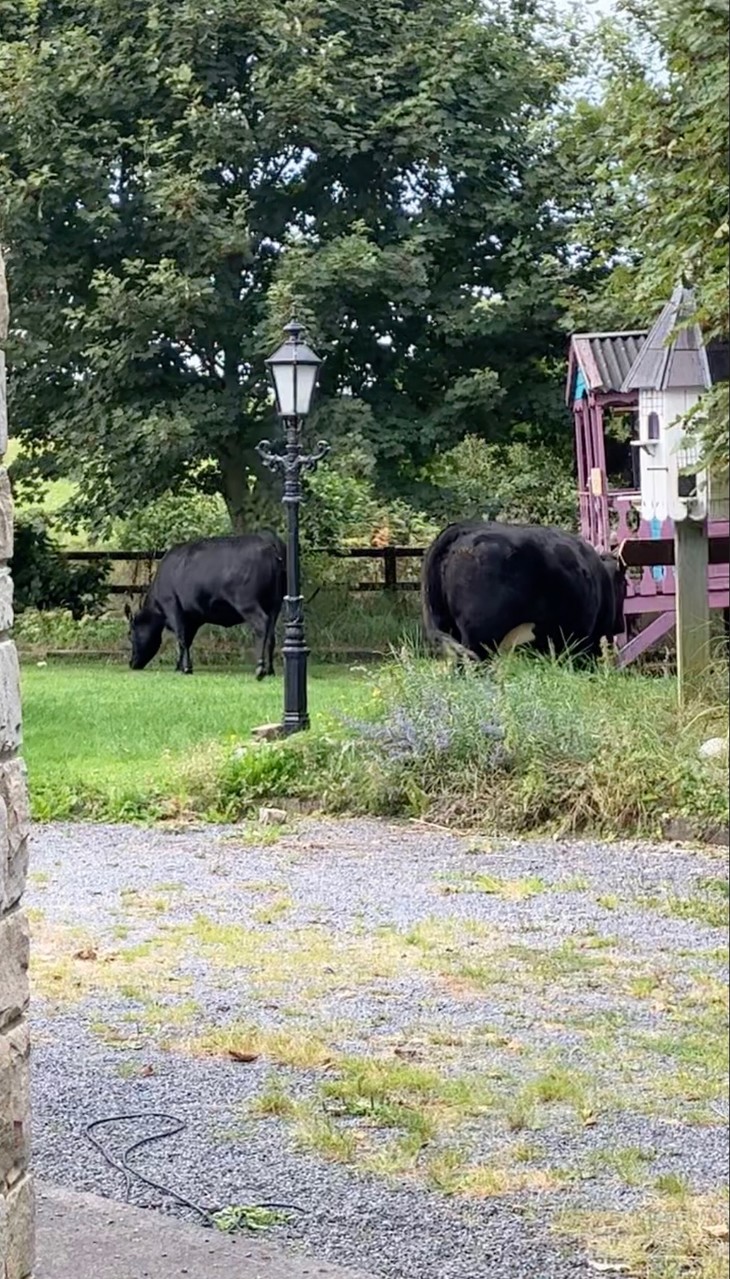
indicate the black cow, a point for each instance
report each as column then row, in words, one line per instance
column 223, row 580
column 489, row 587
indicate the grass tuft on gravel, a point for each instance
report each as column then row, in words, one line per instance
column 672, row 1236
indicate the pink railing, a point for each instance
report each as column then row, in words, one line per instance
column 652, row 590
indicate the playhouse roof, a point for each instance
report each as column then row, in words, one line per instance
column 663, row 364
column 603, row 359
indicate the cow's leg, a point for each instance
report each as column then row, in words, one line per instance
column 267, row 651
column 184, row 632
column 258, row 620
column 184, row 660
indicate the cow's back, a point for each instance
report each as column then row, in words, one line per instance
column 219, row 578
column 498, row 578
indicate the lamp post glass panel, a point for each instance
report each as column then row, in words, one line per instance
column 293, row 369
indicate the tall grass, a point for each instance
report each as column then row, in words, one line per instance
column 340, row 624
column 529, row 744
column 525, row 745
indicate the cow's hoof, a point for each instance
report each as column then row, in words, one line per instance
column 260, row 673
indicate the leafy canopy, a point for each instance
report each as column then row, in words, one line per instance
column 650, row 169
column 175, row 176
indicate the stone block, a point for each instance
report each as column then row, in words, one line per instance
column 14, row 949
column 3, row 407
column 6, row 516
column 14, row 1104
column 10, row 717
column 6, row 600
column 4, row 316
column 14, row 828
column 19, row 1247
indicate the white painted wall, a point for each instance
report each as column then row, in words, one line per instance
column 662, row 460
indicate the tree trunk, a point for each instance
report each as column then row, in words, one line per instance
column 251, row 506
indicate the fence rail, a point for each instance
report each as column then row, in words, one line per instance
column 636, row 553
column 387, row 555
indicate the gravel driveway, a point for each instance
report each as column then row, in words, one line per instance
column 545, row 1015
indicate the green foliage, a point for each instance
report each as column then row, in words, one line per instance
column 649, row 163
column 173, row 517
column 344, row 506
column 44, row 580
column 518, row 483
column 339, row 624
column 174, row 179
column 247, row 1217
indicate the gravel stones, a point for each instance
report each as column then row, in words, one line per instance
column 352, row 880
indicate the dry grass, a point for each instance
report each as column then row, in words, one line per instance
column 248, row 1043
column 453, row 1175
column 68, row 964
column 679, row 1236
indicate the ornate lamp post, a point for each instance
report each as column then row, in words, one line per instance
column 293, row 369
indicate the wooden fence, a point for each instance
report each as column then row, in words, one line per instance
column 388, row 558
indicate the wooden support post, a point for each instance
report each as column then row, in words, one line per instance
column 691, row 557
column 391, row 568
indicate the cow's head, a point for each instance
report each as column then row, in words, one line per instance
column 145, row 634
column 616, row 576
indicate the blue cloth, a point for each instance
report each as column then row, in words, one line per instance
column 658, row 572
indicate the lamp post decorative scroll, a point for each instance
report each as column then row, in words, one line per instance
column 293, row 369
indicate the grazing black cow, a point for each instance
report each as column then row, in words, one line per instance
column 223, row 580
column 489, row 587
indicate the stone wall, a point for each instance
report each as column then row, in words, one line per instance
column 16, row 1190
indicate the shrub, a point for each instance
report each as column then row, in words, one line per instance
column 172, row 518
column 423, row 733
column 519, row 483
column 45, row 580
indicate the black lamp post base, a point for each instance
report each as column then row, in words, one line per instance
column 295, row 654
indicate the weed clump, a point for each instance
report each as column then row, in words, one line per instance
column 528, row 744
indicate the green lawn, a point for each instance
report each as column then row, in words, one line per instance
column 98, row 725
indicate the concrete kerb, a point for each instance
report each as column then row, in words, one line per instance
column 86, row 1237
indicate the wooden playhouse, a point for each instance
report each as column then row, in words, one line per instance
column 635, row 468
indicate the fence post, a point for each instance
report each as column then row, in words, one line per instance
column 691, row 558
column 390, row 563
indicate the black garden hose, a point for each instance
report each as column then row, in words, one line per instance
column 121, row 1164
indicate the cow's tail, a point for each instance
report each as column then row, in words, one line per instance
column 436, row 619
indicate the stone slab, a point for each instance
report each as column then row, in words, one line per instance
column 10, row 718
column 6, row 600
column 19, row 1244
column 6, row 516
column 14, row 1104
column 14, row 831
column 3, row 407
column 86, row 1237
column 15, row 953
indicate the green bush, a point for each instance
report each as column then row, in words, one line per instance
column 43, row 579
column 174, row 517
column 519, row 483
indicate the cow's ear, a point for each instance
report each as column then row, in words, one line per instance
column 127, row 611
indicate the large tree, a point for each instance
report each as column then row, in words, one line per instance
column 648, row 167
column 176, row 174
